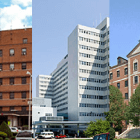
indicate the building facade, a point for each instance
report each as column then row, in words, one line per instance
column 15, row 61
column 126, row 74
column 80, row 81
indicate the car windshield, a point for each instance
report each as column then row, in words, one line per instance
column 102, row 137
column 13, row 128
column 95, row 137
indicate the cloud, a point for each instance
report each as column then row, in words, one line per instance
column 22, row 2
column 15, row 17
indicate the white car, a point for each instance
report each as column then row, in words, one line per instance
column 14, row 129
column 46, row 135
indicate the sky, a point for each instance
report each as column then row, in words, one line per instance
column 53, row 21
column 15, row 14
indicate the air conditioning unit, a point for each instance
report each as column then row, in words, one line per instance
column 24, row 53
column 11, row 68
column 0, row 69
column 11, row 54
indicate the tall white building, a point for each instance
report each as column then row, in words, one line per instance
column 80, row 81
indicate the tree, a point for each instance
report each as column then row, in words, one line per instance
column 133, row 110
column 117, row 106
column 5, row 128
column 98, row 127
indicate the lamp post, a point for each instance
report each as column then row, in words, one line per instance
column 29, row 100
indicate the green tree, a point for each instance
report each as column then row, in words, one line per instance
column 5, row 128
column 117, row 107
column 98, row 127
column 133, row 109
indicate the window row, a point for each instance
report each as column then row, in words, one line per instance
column 65, row 103
column 12, row 81
column 94, row 96
column 61, row 82
column 93, row 41
column 59, row 97
column 125, row 83
column 12, row 66
column 46, row 86
column 93, row 64
column 93, row 56
column 93, row 72
column 62, row 76
column 94, row 105
column 93, row 33
column 45, row 78
column 12, row 108
column 93, row 49
column 12, row 52
column 60, row 86
column 93, row 80
column 12, row 95
column 63, row 99
column 93, row 88
column 62, row 109
column 46, row 90
column 91, row 114
column 60, row 91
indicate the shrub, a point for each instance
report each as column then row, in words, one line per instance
column 6, row 139
column 3, row 134
column 1, row 138
column 5, row 128
column 112, row 133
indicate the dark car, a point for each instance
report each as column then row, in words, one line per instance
column 103, row 136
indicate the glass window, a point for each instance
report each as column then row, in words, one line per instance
column 126, row 83
column 135, row 79
column 0, row 53
column 23, row 95
column 11, row 108
column 11, row 95
column 12, row 52
column 0, row 81
column 118, row 85
column 25, row 40
column 119, row 61
column 0, row 95
column 125, row 71
column 23, row 108
column 118, row 73
column 24, row 51
column 126, row 95
column 11, row 66
column 0, row 108
column 11, row 81
column 0, row 67
column 111, row 76
column 135, row 66
column 23, row 66
column 23, row 80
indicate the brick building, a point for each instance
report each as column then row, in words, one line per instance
column 15, row 61
column 126, row 74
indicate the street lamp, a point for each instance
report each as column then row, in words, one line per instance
column 29, row 100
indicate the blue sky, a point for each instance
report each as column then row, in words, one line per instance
column 53, row 21
column 15, row 14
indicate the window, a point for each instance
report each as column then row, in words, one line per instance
column 111, row 76
column 126, row 83
column 0, row 95
column 23, row 95
column 12, row 52
column 126, row 95
column 135, row 79
column 0, row 53
column 118, row 73
column 0, row 67
column 23, row 66
column 119, row 61
column 135, row 66
column 11, row 66
column 23, row 51
column 125, row 71
column 0, row 108
column 118, row 85
column 23, row 80
column 0, row 81
column 11, row 108
column 25, row 40
column 11, row 81
column 23, row 108
column 11, row 95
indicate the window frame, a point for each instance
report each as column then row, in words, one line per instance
column 126, row 96
column 1, row 97
column 0, row 67
column 126, row 84
column 23, row 80
column 1, row 53
column 25, row 40
column 24, row 51
column 11, row 80
column 118, row 73
column 125, row 71
column 135, row 68
column 12, row 66
column 11, row 54
column 119, row 85
column 23, row 95
column 11, row 95
column 1, row 81
column 23, row 66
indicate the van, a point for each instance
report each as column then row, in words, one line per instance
column 47, row 135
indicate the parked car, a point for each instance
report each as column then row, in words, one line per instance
column 60, row 136
column 45, row 135
column 24, row 135
column 103, row 136
column 14, row 129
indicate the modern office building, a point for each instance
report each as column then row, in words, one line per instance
column 126, row 74
column 15, row 61
column 79, row 84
